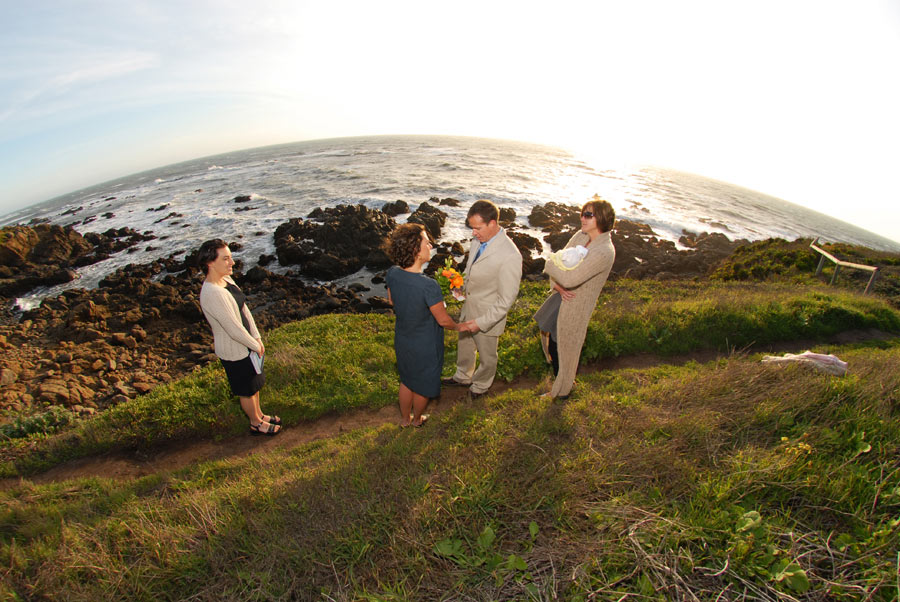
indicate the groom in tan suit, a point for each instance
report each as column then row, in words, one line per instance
column 492, row 276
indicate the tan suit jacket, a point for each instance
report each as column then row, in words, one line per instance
column 491, row 283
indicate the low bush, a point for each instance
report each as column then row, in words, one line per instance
column 41, row 423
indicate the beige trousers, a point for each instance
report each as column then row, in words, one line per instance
column 486, row 346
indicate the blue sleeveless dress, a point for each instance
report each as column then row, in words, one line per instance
column 418, row 338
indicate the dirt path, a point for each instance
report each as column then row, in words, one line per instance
column 177, row 455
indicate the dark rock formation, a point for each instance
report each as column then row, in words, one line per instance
column 555, row 217
column 349, row 237
column 640, row 253
column 142, row 326
column 531, row 249
column 431, row 217
column 45, row 255
column 42, row 244
column 558, row 240
column 507, row 216
column 90, row 349
column 449, row 202
column 396, row 208
column 112, row 241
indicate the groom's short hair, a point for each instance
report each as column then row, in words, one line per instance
column 484, row 209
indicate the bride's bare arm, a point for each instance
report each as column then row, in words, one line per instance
column 443, row 318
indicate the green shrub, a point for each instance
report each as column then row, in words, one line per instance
column 766, row 258
column 47, row 422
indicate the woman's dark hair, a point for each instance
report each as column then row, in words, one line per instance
column 208, row 253
column 403, row 244
column 603, row 211
column 484, row 209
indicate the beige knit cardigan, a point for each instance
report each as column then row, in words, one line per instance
column 231, row 340
column 586, row 280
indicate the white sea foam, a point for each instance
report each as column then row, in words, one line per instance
column 289, row 181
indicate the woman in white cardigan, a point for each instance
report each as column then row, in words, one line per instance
column 234, row 333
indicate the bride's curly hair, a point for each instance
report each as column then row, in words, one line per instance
column 403, row 244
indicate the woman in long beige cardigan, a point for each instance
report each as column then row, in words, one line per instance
column 566, row 312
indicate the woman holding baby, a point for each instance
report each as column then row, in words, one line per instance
column 577, row 275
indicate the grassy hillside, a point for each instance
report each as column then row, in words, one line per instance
column 335, row 363
column 794, row 261
column 701, row 480
column 708, row 481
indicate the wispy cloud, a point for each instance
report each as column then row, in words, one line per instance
column 58, row 82
column 106, row 67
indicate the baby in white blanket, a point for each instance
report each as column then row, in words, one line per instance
column 569, row 257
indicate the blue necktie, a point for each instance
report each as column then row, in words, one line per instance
column 480, row 249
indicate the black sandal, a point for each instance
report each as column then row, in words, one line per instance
column 259, row 429
column 272, row 420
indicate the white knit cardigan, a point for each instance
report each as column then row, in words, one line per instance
column 231, row 340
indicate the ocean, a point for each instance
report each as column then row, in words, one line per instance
column 187, row 203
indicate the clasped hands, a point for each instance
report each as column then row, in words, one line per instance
column 469, row 326
column 565, row 293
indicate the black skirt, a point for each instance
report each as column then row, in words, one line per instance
column 242, row 377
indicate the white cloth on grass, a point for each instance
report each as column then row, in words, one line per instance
column 819, row 361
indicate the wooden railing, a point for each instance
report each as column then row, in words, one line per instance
column 838, row 264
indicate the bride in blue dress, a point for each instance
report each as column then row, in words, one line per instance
column 420, row 321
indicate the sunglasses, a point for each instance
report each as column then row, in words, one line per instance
column 587, row 214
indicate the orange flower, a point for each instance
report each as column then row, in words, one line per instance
column 450, row 280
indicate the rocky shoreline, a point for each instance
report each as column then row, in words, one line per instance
column 87, row 350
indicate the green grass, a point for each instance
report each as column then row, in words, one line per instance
column 794, row 261
column 726, row 480
column 336, row 363
column 671, row 318
column 665, row 483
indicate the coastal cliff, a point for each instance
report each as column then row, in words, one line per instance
column 90, row 349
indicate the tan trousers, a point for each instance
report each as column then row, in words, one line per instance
column 483, row 377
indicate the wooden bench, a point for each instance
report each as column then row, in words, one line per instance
column 838, row 264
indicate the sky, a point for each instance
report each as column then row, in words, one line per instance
column 796, row 99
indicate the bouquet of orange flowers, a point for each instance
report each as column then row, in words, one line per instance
column 450, row 280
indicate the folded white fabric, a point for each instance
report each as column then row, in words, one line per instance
column 819, row 361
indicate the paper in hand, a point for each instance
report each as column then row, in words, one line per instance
column 257, row 361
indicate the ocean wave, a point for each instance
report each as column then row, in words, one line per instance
column 290, row 180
